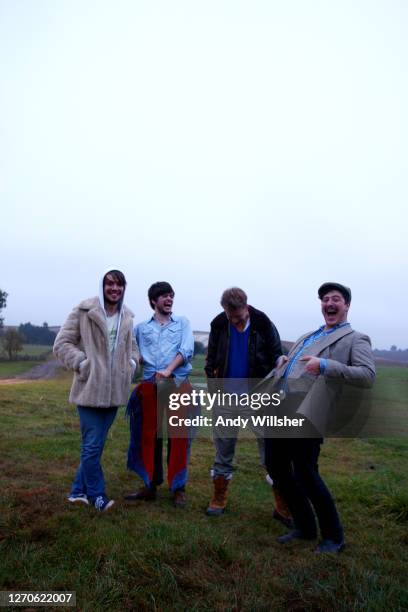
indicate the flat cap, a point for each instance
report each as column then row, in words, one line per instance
column 326, row 287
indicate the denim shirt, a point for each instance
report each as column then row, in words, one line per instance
column 159, row 345
column 305, row 344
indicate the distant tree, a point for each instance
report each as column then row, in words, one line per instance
column 199, row 348
column 3, row 304
column 12, row 342
column 36, row 334
column 396, row 355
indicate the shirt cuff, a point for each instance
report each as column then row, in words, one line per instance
column 323, row 365
column 185, row 355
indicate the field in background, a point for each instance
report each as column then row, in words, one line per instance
column 389, row 414
column 30, row 356
column 154, row 557
column 198, row 368
column 10, row 369
column 35, row 350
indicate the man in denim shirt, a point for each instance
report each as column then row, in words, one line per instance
column 166, row 346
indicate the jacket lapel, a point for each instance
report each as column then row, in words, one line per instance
column 318, row 347
column 315, row 349
column 298, row 344
column 98, row 317
column 122, row 331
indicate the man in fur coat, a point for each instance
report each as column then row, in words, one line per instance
column 98, row 344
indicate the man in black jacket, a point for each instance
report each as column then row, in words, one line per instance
column 243, row 344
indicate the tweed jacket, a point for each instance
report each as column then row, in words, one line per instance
column 350, row 369
column 103, row 380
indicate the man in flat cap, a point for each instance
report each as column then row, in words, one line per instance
column 311, row 379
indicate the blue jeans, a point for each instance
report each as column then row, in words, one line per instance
column 95, row 425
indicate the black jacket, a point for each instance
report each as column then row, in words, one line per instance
column 263, row 350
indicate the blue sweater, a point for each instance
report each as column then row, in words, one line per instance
column 238, row 364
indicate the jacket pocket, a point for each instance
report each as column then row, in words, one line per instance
column 84, row 370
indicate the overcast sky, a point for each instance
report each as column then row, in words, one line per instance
column 262, row 144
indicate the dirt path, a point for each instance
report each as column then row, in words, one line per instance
column 12, row 381
column 42, row 371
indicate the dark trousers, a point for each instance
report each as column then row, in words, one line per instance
column 292, row 463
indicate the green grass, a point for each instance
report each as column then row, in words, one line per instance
column 9, row 369
column 389, row 411
column 154, row 557
column 30, row 356
column 198, row 368
column 36, row 350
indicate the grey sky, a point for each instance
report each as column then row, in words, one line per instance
column 256, row 143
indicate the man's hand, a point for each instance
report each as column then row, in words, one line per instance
column 281, row 361
column 313, row 364
column 163, row 374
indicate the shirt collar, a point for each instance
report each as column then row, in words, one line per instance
column 321, row 329
column 172, row 319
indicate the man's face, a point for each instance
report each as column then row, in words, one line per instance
column 238, row 317
column 112, row 291
column 164, row 303
column 334, row 308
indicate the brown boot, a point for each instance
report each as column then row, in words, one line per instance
column 179, row 498
column 219, row 499
column 282, row 512
column 143, row 494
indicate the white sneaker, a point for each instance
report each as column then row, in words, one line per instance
column 78, row 497
column 102, row 503
column 269, row 480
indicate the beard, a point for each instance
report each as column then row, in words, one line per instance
column 111, row 302
column 163, row 311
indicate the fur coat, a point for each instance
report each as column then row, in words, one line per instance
column 103, row 380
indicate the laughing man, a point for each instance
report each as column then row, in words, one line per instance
column 326, row 359
column 167, row 345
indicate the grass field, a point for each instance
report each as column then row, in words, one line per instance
column 9, row 369
column 155, row 557
column 389, row 413
column 37, row 352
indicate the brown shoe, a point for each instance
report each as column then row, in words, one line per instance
column 282, row 512
column 218, row 502
column 143, row 494
column 179, row 499
column 288, row 522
